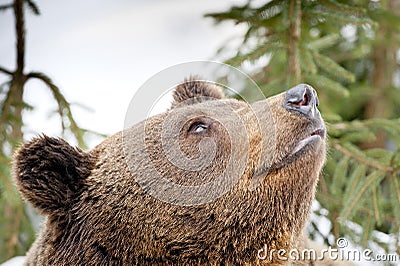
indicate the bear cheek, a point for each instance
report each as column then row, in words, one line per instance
column 194, row 147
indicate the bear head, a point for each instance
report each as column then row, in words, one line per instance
column 211, row 180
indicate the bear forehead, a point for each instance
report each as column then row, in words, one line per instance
column 212, row 104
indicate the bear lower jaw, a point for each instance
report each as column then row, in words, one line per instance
column 313, row 141
column 304, row 143
column 318, row 135
column 311, row 144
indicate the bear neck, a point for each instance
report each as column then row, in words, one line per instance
column 274, row 213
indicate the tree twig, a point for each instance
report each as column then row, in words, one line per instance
column 345, row 151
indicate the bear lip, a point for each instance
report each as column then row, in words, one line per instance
column 319, row 132
column 315, row 135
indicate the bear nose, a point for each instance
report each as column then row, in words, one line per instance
column 302, row 98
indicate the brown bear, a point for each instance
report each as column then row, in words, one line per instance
column 212, row 180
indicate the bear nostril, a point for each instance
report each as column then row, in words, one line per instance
column 304, row 102
column 299, row 95
column 302, row 98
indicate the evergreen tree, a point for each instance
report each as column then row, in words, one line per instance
column 16, row 231
column 349, row 52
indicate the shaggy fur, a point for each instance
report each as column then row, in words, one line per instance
column 98, row 214
column 194, row 90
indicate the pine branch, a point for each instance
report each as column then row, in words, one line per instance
column 6, row 71
column 340, row 175
column 5, row 112
column 339, row 14
column 368, row 225
column 5, row 7
column 238, row 14
column 392, row 126
column 334, row 5
column 333, row 68
column 33, row 7
column 294, row 32
column 334, row 200
column 395, row 195
column 362, row 159
column 14, row 213
column 364, row 135
column 385, row 17
column 20, row 35
column 264, row 15
column 367, row 182
column 354, row 179
column 377, row 208
column 324, row 83
column 269, row 46
column 64, row 108
column 307, row 61
column 324, row 42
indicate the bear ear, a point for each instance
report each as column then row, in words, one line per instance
column 49, row 173
column 195, row 90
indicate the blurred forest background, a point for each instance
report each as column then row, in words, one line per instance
column 349, row 51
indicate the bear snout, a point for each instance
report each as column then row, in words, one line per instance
column 302, row 99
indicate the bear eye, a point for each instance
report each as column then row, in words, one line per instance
column 198, row 128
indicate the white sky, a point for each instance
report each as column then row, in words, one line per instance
column 100, row 52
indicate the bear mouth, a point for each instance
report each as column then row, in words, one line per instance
column 316, row 135
column 303, row 145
